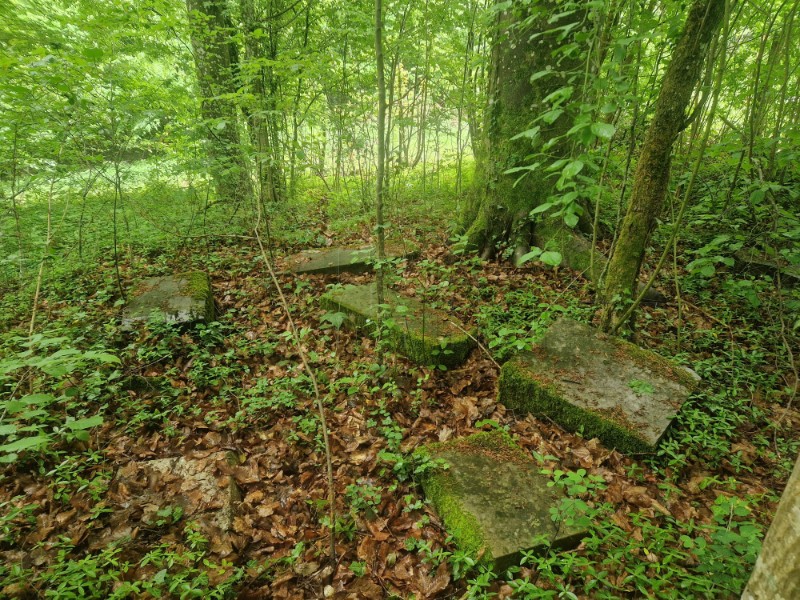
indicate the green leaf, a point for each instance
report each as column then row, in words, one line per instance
column 541, row 208
column 8, row 429
column 603, row 130
column 572, row 169
column 334, row 318
column 26, row 443
column 570, row 219
column 86, row 423
column 551, row 258
column 534, row 253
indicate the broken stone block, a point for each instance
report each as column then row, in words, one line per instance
column 495, row 502
column 599, row 385
column 183, row 298
column 142, row 493
column 343, row 260
column 425, row 335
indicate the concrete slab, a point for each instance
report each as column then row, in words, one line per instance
column 494, row 501
column 602, row 386
column 343, row 260
column 425, row 335
column 182, row 298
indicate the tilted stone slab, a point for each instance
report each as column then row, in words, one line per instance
column 425, row 335
column 494, row 500
column 343, row 260
column 182, row 298
column 603, row 386
column 760, row 263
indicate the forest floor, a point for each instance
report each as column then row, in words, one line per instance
column 238, row 386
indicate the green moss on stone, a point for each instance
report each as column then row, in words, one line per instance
column 198, row 287
column 524, row 391
column 419, row 332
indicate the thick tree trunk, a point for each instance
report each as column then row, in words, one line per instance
column 651, row 178
column 497, row 213
column 215, row 61
column 776, row 575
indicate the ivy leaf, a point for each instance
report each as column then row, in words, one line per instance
column 534, row 253
column 86, row 423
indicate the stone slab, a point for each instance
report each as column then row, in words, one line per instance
column 760, row 263
column 600, row 385
column 493, row 499
column 343, row 260
column 425, row 335
column 182, row 298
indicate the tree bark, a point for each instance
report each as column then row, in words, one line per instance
column 215, row 60
column 381, row 166
column 497, row 212
column 776, row 575
column 651, row 178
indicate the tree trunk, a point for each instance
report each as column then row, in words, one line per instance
column 651, row 178
column 381, row 161
column 497, row 213
column 215, row 60
column 776, row 575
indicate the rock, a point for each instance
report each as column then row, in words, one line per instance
column 183, row 298
column 425, row 335
column 756, row 262
column 602, row 386
column 494, row 501
column 343, row 260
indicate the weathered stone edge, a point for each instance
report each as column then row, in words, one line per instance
column 520, row 390
column 418, row 348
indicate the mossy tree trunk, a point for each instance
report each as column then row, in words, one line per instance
column 497, row 213
column 216, row 59
column 651, row 178
column 776, row 575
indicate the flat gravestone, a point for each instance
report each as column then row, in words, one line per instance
column 601, row 385
column 425, row 335
column 183, row 298
column 343, row 260
column 494, row 501
column 761, row 263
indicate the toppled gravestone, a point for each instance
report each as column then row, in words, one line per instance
column 425, row 335
column 495, row 502
column 600, row 385
column 147, row 494
column 343, row 260
column 182, row 298
column 757, row 262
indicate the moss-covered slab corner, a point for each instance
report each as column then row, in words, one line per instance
column 423, row 334
column 182, row 298
column 600, row 385
column 493, row 500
